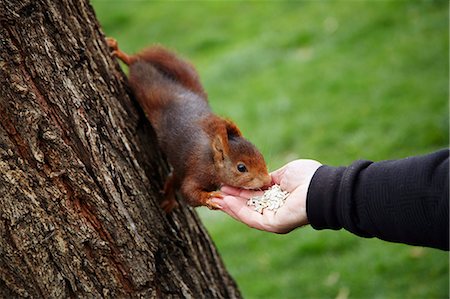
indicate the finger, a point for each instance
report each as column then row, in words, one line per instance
column 224, row 204
column 242, row 212
column 278, row 174
column 240, row 192
column 230, row 190
column 246, row 214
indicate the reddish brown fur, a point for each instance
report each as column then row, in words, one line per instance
column 203, row 149
column 181, row 71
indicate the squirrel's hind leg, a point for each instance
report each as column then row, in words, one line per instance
column 169, row 202
column 112, row 43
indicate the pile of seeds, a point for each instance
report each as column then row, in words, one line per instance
column 272, row 199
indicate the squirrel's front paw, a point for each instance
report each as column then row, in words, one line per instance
column 212, row 205
column 112, row 43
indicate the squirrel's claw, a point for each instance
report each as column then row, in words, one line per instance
column 112, row 43
column 212, row 205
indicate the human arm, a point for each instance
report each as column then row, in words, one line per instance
column 405, row 201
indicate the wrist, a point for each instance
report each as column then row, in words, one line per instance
column 321, row 197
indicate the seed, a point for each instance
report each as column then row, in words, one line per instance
column 272, row 199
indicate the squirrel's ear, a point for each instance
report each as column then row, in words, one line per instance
column 232, row 129
column 218, row 148
column 220, row 130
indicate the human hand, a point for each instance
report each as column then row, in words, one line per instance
column 294, row 177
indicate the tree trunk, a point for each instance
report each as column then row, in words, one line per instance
column 81, row 174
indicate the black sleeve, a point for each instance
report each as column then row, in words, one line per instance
column 405, row 201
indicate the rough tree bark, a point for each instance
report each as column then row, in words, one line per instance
column 81, row 174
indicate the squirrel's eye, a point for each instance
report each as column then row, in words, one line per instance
column 241, row 167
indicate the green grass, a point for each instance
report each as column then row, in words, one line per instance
column 334, row 81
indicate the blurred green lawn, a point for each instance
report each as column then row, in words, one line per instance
column 333, row 81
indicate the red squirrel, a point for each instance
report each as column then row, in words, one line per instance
column 204, row 150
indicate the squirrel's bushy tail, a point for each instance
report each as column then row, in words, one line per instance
column 166, row 62
column 173, row 67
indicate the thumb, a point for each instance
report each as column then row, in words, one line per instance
column 277, row 175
